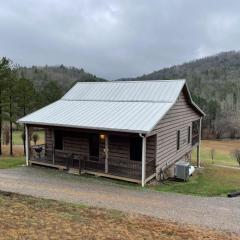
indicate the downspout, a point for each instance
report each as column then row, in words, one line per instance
column 199, row 143
column 143, row 158
column 27, row 144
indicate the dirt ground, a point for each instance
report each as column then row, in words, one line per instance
column 24, row 217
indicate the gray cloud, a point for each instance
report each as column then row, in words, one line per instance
column 118, row 38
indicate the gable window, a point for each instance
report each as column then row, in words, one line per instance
column 58, row 138
column 94, row 147
column 136, row 148
column 189, row 134
column 178, row 139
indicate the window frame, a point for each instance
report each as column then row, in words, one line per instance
column 178, row 139
column 189, row 134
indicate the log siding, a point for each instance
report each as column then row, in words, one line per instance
column 179, row 117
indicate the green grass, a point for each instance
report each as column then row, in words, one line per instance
column 220, row 158
column 209, row 181
column 10, row 162
column 17, row 137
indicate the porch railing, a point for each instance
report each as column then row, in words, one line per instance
column 119, row 167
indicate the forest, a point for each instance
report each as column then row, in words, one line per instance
column 214, row 83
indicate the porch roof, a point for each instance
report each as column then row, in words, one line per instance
column 113, row 106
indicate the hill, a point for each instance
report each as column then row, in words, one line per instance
column 215, row 85
column 64, row 76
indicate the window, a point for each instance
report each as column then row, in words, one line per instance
column 94, row 147
column 189, row 134
column 136, row 149
column 178, row 139
column 58, row 138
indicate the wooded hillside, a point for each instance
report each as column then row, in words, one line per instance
column 214, row 83
column 64, row 76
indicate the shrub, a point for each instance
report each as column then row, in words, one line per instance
column 35, row 138
column 236, row 155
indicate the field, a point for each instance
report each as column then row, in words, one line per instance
column 17, row 137
column 223, row 152
column 24, row 217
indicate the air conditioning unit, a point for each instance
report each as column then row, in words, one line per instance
column 182, row 170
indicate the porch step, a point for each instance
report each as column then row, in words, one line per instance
column 73, row 171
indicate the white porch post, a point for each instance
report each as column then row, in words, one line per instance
column 27, row 144
column 106, row 153
column 53, row 146
column 199, row 143
column 143, row 159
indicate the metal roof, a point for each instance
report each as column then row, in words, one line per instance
column 143, row 91
column 115, row 106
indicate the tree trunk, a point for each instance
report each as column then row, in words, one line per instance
column 0, row 126
column 24, row 132
column 11, row 127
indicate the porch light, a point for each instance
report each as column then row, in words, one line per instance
column 102, row 136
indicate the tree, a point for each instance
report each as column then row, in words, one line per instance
column 26, row 100
column 50, row 92
column 212, row 154
column 11, row 104
column 236, row 155
column 5, row 71
column 35, row 138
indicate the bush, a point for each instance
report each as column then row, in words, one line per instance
column 35, row 138
column 236, row 155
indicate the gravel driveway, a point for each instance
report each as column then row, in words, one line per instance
column 216, row 212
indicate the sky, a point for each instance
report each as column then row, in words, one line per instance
column 117, row 38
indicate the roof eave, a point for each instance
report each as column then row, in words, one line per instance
column 84, row 127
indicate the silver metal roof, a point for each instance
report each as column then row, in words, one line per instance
column 115, row 106
column 143, row 91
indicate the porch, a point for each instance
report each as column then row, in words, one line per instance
column 113, row 155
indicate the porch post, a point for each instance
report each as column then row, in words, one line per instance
column 199, row 143
column 106, row 153
column 143, row 159
column 53, row 147
column 27, row 144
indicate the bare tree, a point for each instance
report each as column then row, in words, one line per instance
column 35, row 138
column 212, row 152
column 236, row 155
column 6, row 134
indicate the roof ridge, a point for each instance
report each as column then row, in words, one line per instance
column 132, row 81
column 98, row 100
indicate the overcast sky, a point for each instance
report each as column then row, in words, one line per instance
column 113, row 39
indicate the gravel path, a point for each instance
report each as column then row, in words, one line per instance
column 217, row 212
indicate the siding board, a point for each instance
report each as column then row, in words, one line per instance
column 179, row 117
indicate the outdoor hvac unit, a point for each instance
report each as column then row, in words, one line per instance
column 182, row 170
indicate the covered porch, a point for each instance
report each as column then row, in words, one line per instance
column 124, row 156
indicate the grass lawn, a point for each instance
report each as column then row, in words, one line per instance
column 223, row 152
column 17, row 137
column 209, row 181
column 24, row 217
column 9, row 162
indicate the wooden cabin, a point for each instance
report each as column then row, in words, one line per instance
column 130, row 130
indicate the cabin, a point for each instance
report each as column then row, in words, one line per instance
column 128, row 130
